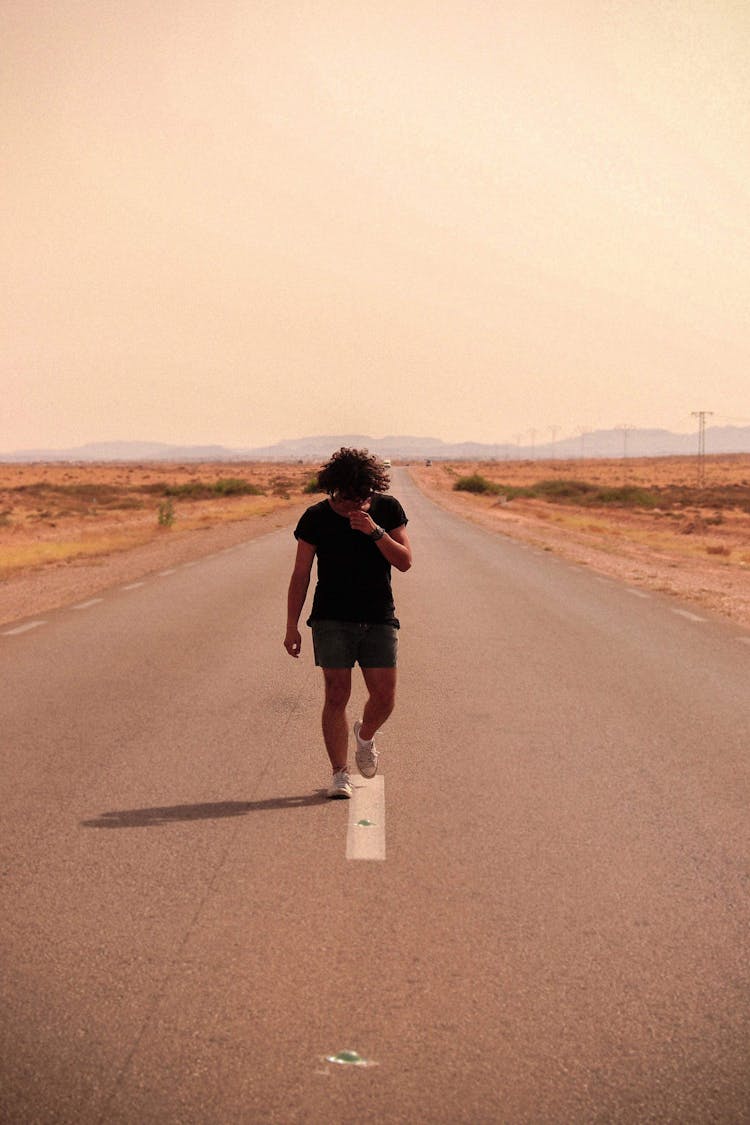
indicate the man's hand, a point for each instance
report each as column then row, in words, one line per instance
column 362, row 521
column 293, row 641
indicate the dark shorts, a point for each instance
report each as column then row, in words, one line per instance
column 342, row 644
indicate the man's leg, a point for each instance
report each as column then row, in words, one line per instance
column 338, row 687
column 381, row 684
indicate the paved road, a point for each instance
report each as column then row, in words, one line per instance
column 558, row 931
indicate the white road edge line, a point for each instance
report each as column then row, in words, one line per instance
column 365, row 835
column 636, row 593
column 88, row 605
column 690, row 616
column 164, row 573
column 23, row 628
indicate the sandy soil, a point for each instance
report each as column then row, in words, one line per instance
column 697, row 550
column 70, row 531
column 63, row 538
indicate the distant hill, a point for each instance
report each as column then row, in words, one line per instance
column 649, row 443
column 125, row 451
column 598, row 443
column 394, row 446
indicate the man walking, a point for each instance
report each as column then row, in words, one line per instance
column 358, row 533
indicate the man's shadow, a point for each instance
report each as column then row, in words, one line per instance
column 155, row 817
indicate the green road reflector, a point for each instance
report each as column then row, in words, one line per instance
column 365, row 823
column 348, row 1058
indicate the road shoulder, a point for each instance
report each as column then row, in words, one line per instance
column 722, row 590
column 55, row 585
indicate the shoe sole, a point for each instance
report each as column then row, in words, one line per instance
column 338, row 796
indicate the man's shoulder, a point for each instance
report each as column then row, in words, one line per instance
column 311, row 520
column 389, row 508
column 387, row 498
column 317, row 509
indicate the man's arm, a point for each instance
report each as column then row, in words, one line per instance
column 394, row 544
column 298, row 587
column 396, row 547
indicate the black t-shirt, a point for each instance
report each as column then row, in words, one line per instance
column 354, row 579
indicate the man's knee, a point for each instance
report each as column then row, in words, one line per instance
column 382, row 689
column 387, row 701
column 338, row 687
column 385, row 697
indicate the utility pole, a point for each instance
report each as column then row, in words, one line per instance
column 583, row 444
column 532, row 433
column 518, row 446
column 554, row 430
column 701, row 415
column 625, row 430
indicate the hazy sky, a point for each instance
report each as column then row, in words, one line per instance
column 240, row 221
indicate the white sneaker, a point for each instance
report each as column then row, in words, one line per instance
column 341, row 785
column 366, row 755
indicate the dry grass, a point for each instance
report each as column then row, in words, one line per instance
column 58, row 513
column 688, row 521
column 694, row 543
column 25, row 556
column 721, row 471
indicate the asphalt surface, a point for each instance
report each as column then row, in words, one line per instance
column 558, row 931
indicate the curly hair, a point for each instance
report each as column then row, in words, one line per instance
column 355, row 472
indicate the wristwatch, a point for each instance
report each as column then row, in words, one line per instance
column 378, row 533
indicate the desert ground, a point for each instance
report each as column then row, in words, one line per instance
column 689, row 537
column 70, row 530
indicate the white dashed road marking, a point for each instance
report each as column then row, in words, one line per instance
column 87, row 605
column 23, row 628
column 636, row 593
column 365, row 837
column 164, row 573
column 134, row 585
column 690, row 616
